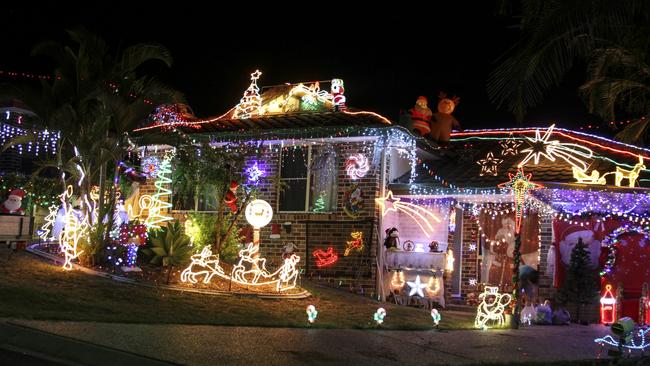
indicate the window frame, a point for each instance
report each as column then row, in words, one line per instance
column 307, row 182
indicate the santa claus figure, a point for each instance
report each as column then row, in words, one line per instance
column 337, row 91
column 571, row 235
column 13, row 203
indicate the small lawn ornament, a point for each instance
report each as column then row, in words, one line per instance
column 230, row 198
column 312, row 313
column 379, row 316
column 436, row 317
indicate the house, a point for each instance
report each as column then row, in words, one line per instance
column 351, row 177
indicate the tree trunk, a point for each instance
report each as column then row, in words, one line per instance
column 515, row 280
column 169, row 273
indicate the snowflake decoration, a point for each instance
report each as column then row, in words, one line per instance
column 472, row 247
column 151, row 166
column 509, row 146
column 472, row 281
column 489, row 165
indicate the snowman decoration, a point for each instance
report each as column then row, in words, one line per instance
column 13, row 203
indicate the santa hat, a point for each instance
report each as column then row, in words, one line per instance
column 571, row 230
column 233, row 186
column 17, row 192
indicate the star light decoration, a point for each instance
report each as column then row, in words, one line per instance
column 472, row 281
column 571, row 153
column 520, row 184
column 489, row 165
column 416, row 286
column 420, row 215
column 509, row 146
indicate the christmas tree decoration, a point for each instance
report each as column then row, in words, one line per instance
column 491, row 308
column 416, row 287
column 311, row 314
column 325, row 258
column 319, row 205
column 354, row 245
column 357, row 166
column 489, row 165
column 49, row 223
column 420, row 215
column 250, row 104
column 519, row 184
column 436, row 317
column 573, row 154
column 160, row 200
column 379, row 316
column 608, row 306
column 509, row 146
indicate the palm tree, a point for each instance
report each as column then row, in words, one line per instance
column 610, row 36
column 95, row 100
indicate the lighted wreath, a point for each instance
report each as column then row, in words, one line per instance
column 610, row 241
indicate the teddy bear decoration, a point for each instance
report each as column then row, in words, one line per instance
column 392, row 239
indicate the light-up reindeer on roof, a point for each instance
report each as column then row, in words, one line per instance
column 630, row 175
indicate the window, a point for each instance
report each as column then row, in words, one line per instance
column 205, row 200
column 308, row 175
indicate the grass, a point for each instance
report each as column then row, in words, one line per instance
column 31, row 288
column 635, row 361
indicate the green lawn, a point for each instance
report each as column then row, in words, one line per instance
column 31, row 288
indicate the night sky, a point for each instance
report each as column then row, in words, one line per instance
column 386, row 60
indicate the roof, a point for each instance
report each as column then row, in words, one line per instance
column 462, row 162
column 278, row 121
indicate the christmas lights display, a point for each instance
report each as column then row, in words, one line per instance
column 132, row 235
column 608, row 306
column 356, row 244
column 319, row 205
column 510, row 146
column 312, row 313
column 49, row 223
column 250, row 104
column 353, row 201
column 610, row 242
column 160, row 200
column 519, row 184
column 338, row 89
column 379, row 316
column 491, row 308
column 203, row 264
column 416, row 287
column 75, row 228
column 436, row 317
column 631, row 175
column 639, row 341
column 325, row 258
column 169, row 116
column 206, row 264
column 44, row 141
column 151, row 166
column 357, row 166
column 573, row 154
column 254, row 173
column 489, row 165
column 420, row 215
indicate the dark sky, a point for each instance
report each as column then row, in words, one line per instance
column 386, row 58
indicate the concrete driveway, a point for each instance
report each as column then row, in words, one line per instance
column 219, row 345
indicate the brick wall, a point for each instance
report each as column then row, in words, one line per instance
column 469, row 258
column 356, row 272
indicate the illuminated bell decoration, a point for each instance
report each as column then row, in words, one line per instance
column 258, row 213
column 608, row 306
